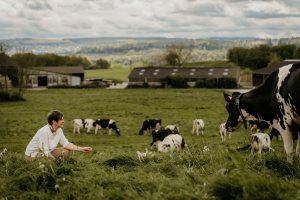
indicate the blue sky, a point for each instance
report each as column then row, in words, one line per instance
column 149, row 18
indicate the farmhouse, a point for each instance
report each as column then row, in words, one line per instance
column 154, row 76
column 52, row 76
column 258, row 76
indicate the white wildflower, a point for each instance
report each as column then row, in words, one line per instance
column 205, row 149
column 56, row 187
column 141, row 155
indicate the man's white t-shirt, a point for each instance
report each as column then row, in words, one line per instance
column 44, row 141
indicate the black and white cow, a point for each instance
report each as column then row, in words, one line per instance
column 277, row 101
column 106, row 124
column 159, row 135
column 150, row 124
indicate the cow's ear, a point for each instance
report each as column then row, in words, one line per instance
column 227, row 97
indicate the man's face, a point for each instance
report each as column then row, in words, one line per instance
column 59, row 123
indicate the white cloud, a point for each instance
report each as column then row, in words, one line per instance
column 146, row 18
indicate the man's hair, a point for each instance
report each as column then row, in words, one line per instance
column 54, row 115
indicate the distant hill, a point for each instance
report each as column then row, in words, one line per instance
column 128, row 51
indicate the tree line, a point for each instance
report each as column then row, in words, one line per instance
column 262, row 56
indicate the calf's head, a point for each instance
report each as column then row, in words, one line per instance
column 232, row 109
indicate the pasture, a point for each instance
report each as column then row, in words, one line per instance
column 205, row 169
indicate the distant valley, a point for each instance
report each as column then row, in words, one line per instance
column 138, row 51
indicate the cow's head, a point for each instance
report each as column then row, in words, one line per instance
column 232, row 109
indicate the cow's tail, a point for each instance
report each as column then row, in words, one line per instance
column 182, row 143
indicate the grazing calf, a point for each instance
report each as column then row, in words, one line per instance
column 260, row 142
column 77, row 125
column 224, row 133
column 170, row 143
column 106, row 124
column 276, row 100
column 198, row 126
column 258, row 125
column 160, row 135
column 150, row 124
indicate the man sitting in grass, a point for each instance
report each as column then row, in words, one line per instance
column 45, row 141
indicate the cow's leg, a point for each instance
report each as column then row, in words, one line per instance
column 298, row 146
column 193, row 130
column 96, row 129
column 288, row 145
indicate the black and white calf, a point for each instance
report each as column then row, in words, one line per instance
column 198, row 126
column 260, row 142
column 150, row 124
column 106, row 124
column 276, row 101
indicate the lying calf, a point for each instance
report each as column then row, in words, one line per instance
column 260, row 142
column 170, row 143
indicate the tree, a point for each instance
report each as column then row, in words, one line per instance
column 102, row 64
column 23, row 61
column 178, row 54
column 5, row 63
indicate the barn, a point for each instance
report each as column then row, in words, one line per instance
column 153, row 76
column 52, row 76
column 258, row 76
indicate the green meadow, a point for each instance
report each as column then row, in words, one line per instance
column 205, row 169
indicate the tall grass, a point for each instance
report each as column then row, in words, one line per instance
column 205, row 169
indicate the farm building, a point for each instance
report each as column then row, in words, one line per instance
column 154, row 76
column 52, row 76
column 258, row 76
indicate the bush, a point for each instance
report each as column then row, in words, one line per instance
column 6, row 96
column 217, row 83
column 175, row 82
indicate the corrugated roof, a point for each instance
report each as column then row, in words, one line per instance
column 62, row 69
column 190, row 73
column 275, row 66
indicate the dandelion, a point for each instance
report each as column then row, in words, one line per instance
column 63, row 179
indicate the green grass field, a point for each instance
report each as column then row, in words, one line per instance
column 205, row 169
column 120, row 74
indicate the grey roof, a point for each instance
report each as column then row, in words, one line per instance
column 273, row 67
column 62, row 70
column 188, row 73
